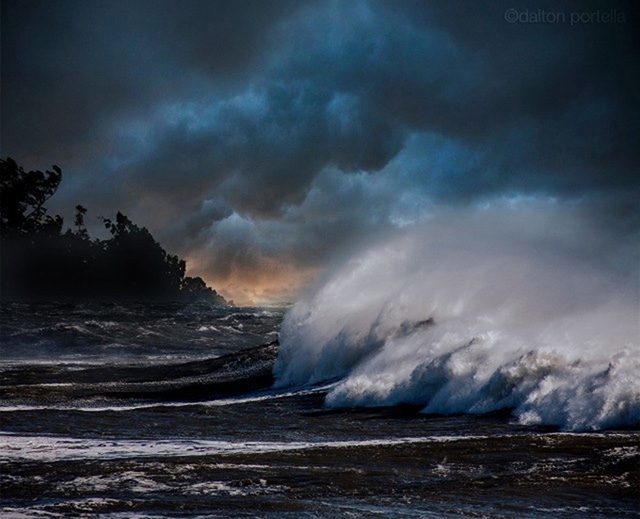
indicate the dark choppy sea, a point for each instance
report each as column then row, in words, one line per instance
column 168, row 410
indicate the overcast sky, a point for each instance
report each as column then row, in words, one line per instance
column 264, row 140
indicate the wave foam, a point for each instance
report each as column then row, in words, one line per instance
column 519, row 308
column 16, row 447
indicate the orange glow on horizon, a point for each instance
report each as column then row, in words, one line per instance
column 274, row 283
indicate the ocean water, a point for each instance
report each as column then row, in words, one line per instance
column 172, row 410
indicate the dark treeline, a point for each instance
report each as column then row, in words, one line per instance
column 40, row 261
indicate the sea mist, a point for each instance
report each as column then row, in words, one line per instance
column 531, row 306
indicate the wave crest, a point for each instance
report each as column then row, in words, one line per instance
column 475, row 315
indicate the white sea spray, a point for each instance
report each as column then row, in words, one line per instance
column 529, row 307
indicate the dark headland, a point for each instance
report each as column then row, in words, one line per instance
column 40, row 261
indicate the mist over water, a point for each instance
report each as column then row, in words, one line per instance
column 532, row 306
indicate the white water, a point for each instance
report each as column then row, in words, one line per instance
column 221, row 402
column 21, row 447
column 533, row 307
column 16, row 447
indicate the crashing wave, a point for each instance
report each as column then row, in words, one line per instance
column 473, row 315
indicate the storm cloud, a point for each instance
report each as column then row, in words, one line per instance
column 264, row 140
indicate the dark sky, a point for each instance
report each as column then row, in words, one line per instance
column 262, row 140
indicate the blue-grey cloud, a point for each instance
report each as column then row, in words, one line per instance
column 250, row 134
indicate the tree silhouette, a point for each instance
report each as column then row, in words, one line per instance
column 79, row 222
column 22, row 198
column 38, row 261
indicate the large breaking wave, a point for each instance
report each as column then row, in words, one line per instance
column 529, row 307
